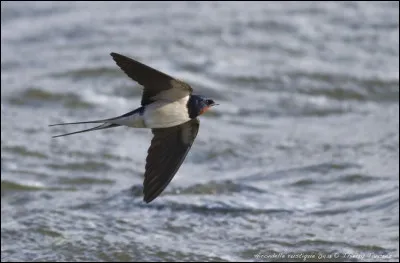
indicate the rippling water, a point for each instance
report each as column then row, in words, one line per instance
column 299, row 161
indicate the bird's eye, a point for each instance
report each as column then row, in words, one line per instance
column 209, row 102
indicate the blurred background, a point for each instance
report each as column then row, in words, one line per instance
column 301, row 157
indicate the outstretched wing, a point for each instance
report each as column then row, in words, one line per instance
column 166, row 154
column 157, row 85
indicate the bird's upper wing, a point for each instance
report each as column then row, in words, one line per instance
column 166, row 153
column 157, row 85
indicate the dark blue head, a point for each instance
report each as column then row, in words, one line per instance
column 197, row 105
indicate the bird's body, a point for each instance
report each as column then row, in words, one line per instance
column 170, row 110
column 154, row 116
column 158, row 114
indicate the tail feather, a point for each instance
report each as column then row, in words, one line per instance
column 107, row 123
column 80, row 122
column 100, row 127
column 138, row 110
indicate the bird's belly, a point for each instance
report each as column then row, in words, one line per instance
column 135, row 120
column 166, row 114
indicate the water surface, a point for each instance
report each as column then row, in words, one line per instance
column 299, row 160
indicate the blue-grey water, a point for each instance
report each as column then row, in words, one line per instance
column 300, row 161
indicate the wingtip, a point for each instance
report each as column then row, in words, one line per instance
column 147, row 200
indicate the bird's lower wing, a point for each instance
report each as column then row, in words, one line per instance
column 166, row 154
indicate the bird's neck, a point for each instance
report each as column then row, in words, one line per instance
column 194, row 106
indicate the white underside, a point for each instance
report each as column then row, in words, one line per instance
column 159, row 114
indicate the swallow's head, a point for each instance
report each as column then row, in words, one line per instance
column 198, row 105
column 207, row 104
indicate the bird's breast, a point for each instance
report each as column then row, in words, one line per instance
column 164, row 114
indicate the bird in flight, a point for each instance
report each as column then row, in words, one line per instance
column 170, row 110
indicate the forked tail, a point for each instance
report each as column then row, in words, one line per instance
column 106, row 122
column 80, row 122
column 100, row 127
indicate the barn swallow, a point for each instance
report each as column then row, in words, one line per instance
column 170, row 110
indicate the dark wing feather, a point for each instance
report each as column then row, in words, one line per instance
column 166, row 154
column 153, row 81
